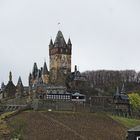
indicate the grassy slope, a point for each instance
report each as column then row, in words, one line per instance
column 127, row 122
column 4, row 128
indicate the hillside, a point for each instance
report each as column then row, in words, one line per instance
column 31, row 125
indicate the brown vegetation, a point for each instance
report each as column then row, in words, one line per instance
column 66, row 126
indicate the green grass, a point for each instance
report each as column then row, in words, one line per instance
column 19, row 126
column 127, row 122
column 4, row 129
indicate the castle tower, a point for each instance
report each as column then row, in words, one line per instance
column 45, row 74
column 33, row 77
column 60, row 59
column 19, row 88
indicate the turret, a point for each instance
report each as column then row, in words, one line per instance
column 51, row 44
column 30, row 79
column 10, row 76
column 2, row 86
column 75, row 69
column 123, row 89
column 69, row 43
column 45, row 74
column 19, row 83
column 19, row 88
column 35, row 70
column 45, row 69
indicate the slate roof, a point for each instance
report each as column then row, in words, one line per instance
column 45, row 69
column 20, row 82
column 60, row 41
column 77, row 94
column 35, row 70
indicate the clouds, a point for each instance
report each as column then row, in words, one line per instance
column 104, row 34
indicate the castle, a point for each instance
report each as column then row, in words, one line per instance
column 59, row 83
column 60, row 63
column 57, row 80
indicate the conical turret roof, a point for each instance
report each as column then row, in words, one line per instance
column 45, row 69
column 35, row 70
column 51, row 43
column 60, row 41
column 69, row 42
column 19, row 81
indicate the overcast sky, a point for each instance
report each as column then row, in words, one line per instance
column 105, row 34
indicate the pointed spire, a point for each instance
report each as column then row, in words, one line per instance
column 19, row 81
column 45, row 69
column 10, row 76
column 60, row 41
column 35, row 70
column 30, row 76
column 30, row 79
column 123, row 89
column 69, row 43
column 51, row 43
column 75, row 69
column 35, row 66
column 2, row 86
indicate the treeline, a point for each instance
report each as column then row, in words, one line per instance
column 108, row 80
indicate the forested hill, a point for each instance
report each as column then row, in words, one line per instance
column 108, row 80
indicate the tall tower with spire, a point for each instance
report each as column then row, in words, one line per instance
column 60, row 59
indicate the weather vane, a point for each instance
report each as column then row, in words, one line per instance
column 58, row 25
